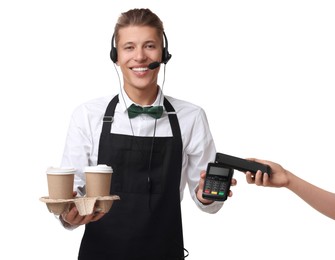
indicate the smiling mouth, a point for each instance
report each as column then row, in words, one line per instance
column 139, row 69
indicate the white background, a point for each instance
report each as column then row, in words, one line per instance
column 262, row 70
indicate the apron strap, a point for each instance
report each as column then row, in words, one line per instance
column 109, row 115
column 173, row 119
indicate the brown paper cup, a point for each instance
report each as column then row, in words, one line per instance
column 60, row 182
column 98, row 180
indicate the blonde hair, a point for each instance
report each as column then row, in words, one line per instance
column 140, row 17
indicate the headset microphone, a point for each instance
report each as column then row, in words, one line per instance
column 154, row 65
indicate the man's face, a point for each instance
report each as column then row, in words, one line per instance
column 137, row 47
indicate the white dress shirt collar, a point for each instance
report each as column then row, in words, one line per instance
column 126, row 102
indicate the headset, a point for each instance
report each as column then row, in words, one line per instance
column 166, row 56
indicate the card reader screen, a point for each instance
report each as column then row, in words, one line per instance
column 219, row 171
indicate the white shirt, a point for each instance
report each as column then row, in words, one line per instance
column 82, row 142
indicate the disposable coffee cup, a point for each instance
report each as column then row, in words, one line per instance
column 60, row 182
column 98, row 180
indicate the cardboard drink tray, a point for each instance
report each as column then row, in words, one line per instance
column 85, row 205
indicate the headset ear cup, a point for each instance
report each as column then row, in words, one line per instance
column 166, row 56
column 113, row 54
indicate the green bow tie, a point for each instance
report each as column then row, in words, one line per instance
column 154, row 111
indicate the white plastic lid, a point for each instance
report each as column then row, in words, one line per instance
column 61, row 170
column 100, row 168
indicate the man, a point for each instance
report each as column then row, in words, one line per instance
column 153, row 154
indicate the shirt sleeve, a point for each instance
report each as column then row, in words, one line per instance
column 200, row 150
column 78, row 150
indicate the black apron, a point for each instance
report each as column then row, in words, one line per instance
column 145, row 224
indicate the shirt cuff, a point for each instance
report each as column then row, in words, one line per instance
column 209, row 208
column 65, row 224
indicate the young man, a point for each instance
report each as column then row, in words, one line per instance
column 153, row 156
column 318, row 198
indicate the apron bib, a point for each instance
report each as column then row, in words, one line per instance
column 146, row 223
